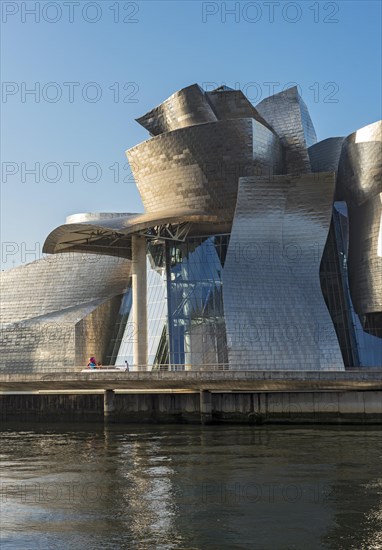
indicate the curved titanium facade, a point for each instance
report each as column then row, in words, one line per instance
column 360, row 185
column 228, row 104
column 191, row 106
column 112, row 235
column 241, row 255
column 186, row 107
column 325, row 155
column 288, row 115
column 360, row 165
column 68, row 315
column 274, row 310
column 199, row 167
column 96, row 277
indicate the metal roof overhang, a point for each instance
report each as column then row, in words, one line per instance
column 113, row 236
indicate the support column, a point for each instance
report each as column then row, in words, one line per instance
column 139, row 285
column 169, row 304
column 205, row 407
column 108, row 404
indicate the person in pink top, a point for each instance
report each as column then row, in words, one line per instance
column 92, row 363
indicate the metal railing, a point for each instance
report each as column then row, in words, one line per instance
column 51, row 368
column 162, row 368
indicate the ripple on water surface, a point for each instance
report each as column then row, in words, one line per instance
column 191, row 487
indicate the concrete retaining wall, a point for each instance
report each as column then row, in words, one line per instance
column 51, row 407
column 249, row 408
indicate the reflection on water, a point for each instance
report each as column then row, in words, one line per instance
column 191, row 487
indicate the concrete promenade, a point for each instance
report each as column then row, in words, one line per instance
column 256, row 381
column 250, row 397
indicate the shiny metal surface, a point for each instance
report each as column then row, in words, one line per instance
column 325, row 155
column 288, row 115
column 360, row 185
column 229, row 104
column 274, row 309
column 360, row 165
column 205, row 147
column 98, row 216
column 112, row 235
column 198, row 167
column 60, row 310
column 191, row 106
column 186, row 107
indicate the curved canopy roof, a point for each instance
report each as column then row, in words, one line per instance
column 112, row 235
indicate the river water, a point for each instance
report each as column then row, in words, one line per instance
column 190, row 487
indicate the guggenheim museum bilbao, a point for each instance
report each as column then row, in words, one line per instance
column 259, row 249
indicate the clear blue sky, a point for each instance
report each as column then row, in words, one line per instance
column 331, row 49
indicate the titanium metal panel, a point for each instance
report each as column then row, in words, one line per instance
column 198, row 167
column 191, row 106
column 60, row 340
column 59, row 282
column 359, row 183
column 288, row 115
column 325, row 155
column 189, row 173
column 229, row 104
column 111, row 235
column 365, row 263
column 275, row 314
column 360, row 165
column 94, row 217
column 186, row 107
column 56, row 311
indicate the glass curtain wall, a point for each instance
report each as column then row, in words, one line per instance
column 156, row 318
column 196, row 327
column 185, row 314
column 369, row 347
column 359, row 349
